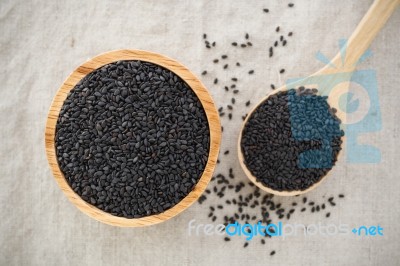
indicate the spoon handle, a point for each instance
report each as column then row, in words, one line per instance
column 365, row 33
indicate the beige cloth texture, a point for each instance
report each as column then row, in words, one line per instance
column 43, row 41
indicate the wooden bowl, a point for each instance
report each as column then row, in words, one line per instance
column 168, row 63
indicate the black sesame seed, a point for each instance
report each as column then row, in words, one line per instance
column 247, row 103
column 251, row 72
column 282, row 71
column 108, row 163
column 234, row 44
column 266, row 10
column 272, row 253
column 204, row 72
column 290, row 5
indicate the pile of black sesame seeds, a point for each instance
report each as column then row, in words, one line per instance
column 232, row 197
column 281, row 142
column 132, row 139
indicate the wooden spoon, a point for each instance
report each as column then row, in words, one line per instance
column 328, row 76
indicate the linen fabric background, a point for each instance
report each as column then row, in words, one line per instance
column 42, row 42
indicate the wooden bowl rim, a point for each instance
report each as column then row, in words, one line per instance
column 194, row 83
